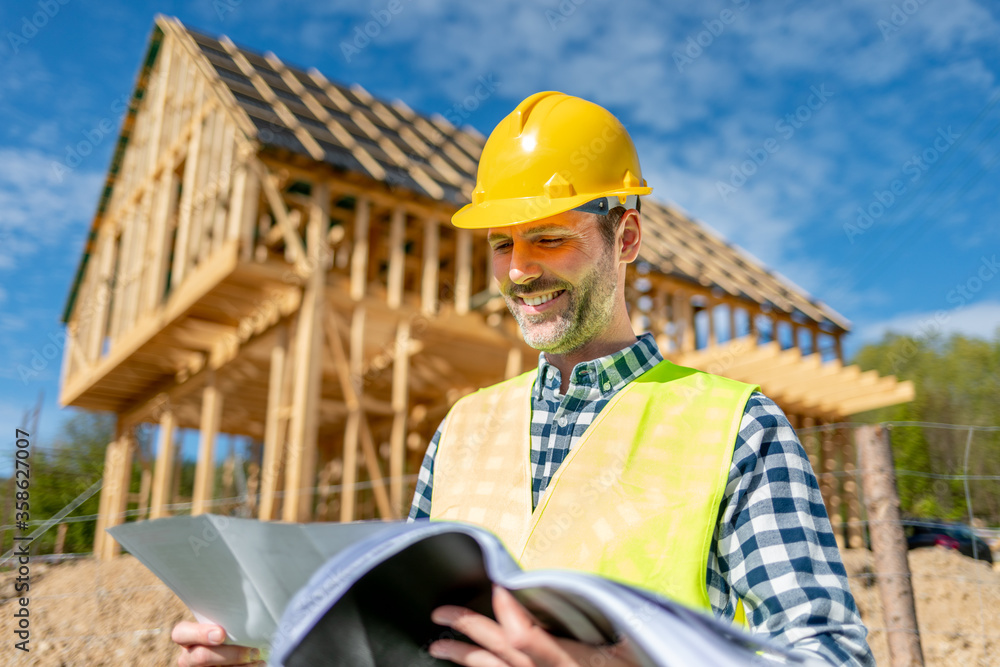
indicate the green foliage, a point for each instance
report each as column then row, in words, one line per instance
column 956, row 381
column 62, row 471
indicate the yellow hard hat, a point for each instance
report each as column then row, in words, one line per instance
column 553, row 153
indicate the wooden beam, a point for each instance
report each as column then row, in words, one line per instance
column 274, row 426
column 204, row 473
column 304, row 426
column 397, row 258
column 400, row 399
column 463, row 271
column 164, row 472
column 359, row 254
column 432, row 262
column 145, row 482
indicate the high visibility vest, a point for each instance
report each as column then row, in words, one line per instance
column 637, row 498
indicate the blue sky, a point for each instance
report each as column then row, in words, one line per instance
column 851, row 146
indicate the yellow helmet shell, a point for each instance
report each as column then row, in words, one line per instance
column 554, row 152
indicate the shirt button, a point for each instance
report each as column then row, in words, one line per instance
column 563, row 421
column 606, row 386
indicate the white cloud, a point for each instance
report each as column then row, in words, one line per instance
column 980, row 320
column 38, row 208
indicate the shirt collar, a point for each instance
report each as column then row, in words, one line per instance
column 613, row 371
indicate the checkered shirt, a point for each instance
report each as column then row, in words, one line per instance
column 773, row 546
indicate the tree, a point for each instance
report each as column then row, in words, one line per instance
column 957, row 381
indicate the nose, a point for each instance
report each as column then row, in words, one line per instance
column 523, row 267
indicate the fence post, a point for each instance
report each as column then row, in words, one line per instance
column 889, row 547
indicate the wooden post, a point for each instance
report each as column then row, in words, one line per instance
column 275, row 421
column 61, row 538
column 359, row 255
column 685, row 321
column 163, row 473
column 829, row 484
column 855, row 534
column 353, row 427
column 397, row 258
column 429, row 278
column 400, row 397
column 303, row 429
column 204, row 472
column 114, row 494
column 145, row 482
column 889, row 547
column 463, row 271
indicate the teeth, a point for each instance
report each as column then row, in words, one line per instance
column 539, row 300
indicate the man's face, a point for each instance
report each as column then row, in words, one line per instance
column 559, row 278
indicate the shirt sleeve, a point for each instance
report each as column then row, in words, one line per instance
column 420, row 508
column 774, row 548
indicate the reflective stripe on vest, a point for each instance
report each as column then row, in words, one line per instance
column 637, row 498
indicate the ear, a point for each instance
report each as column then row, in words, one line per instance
column 630, row 236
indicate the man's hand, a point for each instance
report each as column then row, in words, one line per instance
column 514, row 641
column 201, row 646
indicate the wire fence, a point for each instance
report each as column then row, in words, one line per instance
column 87, row 612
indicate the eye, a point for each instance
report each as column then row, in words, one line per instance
column 550, row 241
column 501, row 246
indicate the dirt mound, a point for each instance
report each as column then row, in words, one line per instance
column 86, row 613
column 91, row 614
column 957, row 600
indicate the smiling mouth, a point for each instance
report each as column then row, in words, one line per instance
column 541, row 298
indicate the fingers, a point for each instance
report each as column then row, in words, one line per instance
column 201, row 646
column 187, row 633
column 482, row 630
column 524, row 636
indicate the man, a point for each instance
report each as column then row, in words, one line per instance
column 607, row 458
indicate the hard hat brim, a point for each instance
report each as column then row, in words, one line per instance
column 509, row 212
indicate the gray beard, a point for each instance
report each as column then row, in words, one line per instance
column 587, row 313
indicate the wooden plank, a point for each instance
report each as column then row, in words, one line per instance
column 165, row 68
column 163, row 220
column 204, row 472
column 463, row 271
column 180, row 262
column 304, row 425
column 206, row 167
column 431, row 264
column 397, row 258
column 275, row 425
column 400, row 399
column 359, row 254
column 164, row 472
column 225, row 199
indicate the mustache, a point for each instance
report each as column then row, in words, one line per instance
column 535, row 287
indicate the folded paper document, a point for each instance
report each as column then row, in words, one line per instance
column 361, row 594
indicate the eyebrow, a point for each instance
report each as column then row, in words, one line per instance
column 534, row 231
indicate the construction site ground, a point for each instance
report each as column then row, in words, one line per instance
column 92, row 614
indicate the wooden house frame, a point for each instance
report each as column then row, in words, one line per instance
column 272, row 256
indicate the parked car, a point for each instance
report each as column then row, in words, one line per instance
column 929, row 533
